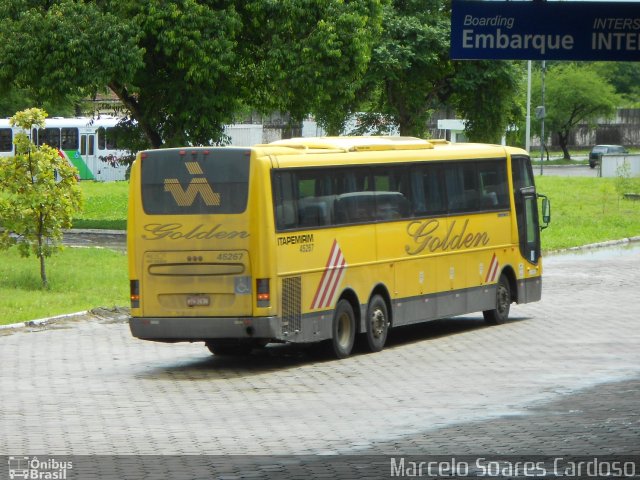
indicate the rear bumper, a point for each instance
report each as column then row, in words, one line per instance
column 193, row 329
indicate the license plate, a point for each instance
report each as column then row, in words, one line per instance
column 198, row 301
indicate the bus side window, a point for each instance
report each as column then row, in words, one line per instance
column 50, row 136
column 314, row 189
column 427, row 195
column 6, row 140
column 494, row 193
column 354, row 202
column 110, row 140
column 70, row 139
column 392, row 192
column 285, row 201
column 101, row 138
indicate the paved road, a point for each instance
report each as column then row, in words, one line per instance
column 562, row 377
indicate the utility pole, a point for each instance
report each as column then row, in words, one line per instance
column 542, row 110
column 527, row 134
column 544, row 68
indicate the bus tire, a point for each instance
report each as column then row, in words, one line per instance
column 500, row 314
column 377, row 323
column 343, row 329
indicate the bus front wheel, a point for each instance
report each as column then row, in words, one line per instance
column 344, row 329
column 377, row 323
column 500, row 314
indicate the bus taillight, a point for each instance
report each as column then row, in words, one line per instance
column 134, row 289
column 263, row 292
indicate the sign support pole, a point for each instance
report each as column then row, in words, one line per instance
column 527, row 140
column 544, row 68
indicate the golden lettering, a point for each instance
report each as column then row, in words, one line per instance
column 424, row 234
column 176, row 231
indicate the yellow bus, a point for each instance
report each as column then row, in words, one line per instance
column 328, row 239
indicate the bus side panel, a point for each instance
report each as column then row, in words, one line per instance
column 325, row 263
column 445, row 266
column 530, row 289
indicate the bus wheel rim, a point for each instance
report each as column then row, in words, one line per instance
column 377, row 323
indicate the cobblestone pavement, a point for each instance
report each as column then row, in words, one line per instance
column 562, row 377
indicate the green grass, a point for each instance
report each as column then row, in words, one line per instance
column 79, row 279
column 584, row 210
column 105, row 205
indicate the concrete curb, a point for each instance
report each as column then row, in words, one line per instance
column 95, row 231
column 42, row 322
column 591, row 246
column 104, row 314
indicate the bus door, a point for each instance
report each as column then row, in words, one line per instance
column 525, row 198
column 526, row 205
column 90, row 160
column 528, row 225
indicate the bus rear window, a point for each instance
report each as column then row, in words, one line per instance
column 195, row 181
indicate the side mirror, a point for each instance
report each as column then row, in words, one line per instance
column 546, row 211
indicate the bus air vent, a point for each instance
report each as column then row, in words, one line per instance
column 291, row 305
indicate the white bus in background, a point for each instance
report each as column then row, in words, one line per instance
column 86, row 142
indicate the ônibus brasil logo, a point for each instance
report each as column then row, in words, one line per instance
column 38, row 469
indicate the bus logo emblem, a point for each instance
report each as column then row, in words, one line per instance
column 197, row 186
column 331, row 278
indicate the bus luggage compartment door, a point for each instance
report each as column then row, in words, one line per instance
column 211, row 283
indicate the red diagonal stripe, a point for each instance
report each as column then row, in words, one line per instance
column 491, row 268
column 327, row 272
column 336, row 281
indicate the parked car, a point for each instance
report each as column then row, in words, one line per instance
column 596, row 153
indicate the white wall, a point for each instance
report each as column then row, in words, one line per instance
column 612, row 163
column 244, row 135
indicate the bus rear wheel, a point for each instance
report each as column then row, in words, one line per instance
column 343, row 329
column 500, row 314
column 377, row 323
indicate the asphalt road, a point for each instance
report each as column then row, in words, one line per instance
column 561, row 378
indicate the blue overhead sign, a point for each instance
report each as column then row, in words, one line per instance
column 509, row 30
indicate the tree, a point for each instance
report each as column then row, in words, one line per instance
column 308, row 56
column 411, row 74
column 488, row 95
column 183, row 68
column 574, row 94
column 39, row 194
column 623, row 76
column 14, row 99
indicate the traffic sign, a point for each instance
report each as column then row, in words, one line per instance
column 545, row 30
